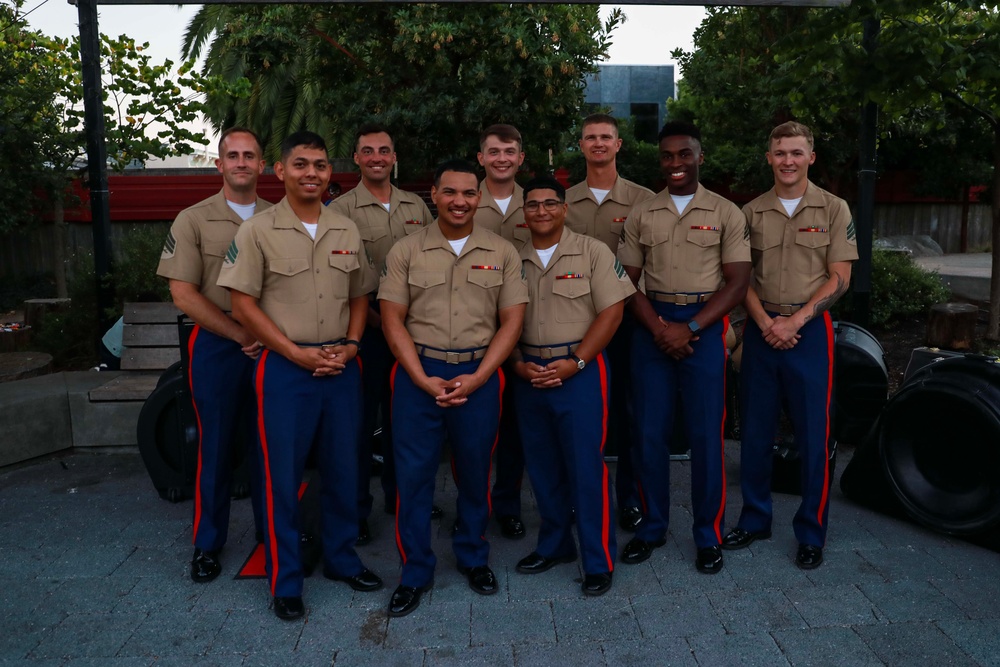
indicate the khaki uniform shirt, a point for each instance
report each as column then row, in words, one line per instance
column 453, row 301
column 379, row 228
column 684, row 253
column 303, row 285
column 603, row 222
column 791, row 255
column 582, row 279
column 509, row 225
column 197, row 244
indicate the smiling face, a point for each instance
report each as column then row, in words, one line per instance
column 545, row 215
column 305, row 173
column 790, row 158
column 680, row 162
column 240, row 163
column 501, row 159
column 456, row 196
column 600, row 144
column 375, row 156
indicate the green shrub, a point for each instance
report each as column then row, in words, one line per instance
column 71, row 335
column 900, row 289
column 135, row 276
column 15, row 290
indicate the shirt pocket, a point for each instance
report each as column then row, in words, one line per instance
column 704, row 257
column 215, row 248
column 429, row 298
column 811, row 249
column 765, row 250
column 290, row 279
column 573, row 302
column 412, row 226
column 655, row 242
column 485, row 295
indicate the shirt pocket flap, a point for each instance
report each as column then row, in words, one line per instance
column 571, row 288
column 704, row 238
column 812, row 239
column 345, row 262
column 486, row 277
column 288, row 266
column 426, row 279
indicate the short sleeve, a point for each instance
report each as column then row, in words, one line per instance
column 181, row 255
column 629, row 249
column 243, row 268
column 514, row 289
column 394, row 281
column 609, row 283
column 735, row 236
column 843, row 235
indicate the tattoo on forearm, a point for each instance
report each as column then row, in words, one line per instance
column 826, row 303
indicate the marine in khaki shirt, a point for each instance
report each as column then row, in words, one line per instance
column 501, row 155
column 803, row 244
column 684, row 253
column 792, row 253
column 577, row 295
column 303, row 286
column 693, row 248
column 197, row 243
column 375, row 155
column 221, row 351
column 603, row 221
column 300, row 281
column 452, row 298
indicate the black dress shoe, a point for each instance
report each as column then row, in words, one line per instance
column 481, row 579
column 809, row 557
column 364, row 534
column 709, row 560
column 630, row 518
column 436, row 512
column 636, row 551
column 288, row 609
column 511, row 526
column 205, row 566
column 596, row 584
column 738, row 538
column 365, row 582
column 534, row 563
column 405, row 599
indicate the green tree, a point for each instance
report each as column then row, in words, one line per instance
column 43, row 140
column 435, row 74
column 935, row 74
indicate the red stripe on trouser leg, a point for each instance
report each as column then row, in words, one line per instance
column 268, row 488
column 605, row 482
column 828, row 328
column 197, row 480
column 717, row 523
column 392, row 394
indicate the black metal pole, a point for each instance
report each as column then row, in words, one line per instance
column 97, row 163
column 868, row 158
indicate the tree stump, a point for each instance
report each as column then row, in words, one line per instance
column 952, row 326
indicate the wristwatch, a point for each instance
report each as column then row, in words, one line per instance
column 580, row 363
column 693, row 327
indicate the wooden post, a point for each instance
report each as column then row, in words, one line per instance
column 952, row 326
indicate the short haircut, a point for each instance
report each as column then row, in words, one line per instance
column 677, row 128
column 236, row 129
column 372, row 128
column 545, row 182
column 595, row 118
column 791, row 129
column 503, row 132
column 301, row 138
column 455, row 164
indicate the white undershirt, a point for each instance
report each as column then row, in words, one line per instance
column 790, row 205
column 681, row 202
column 599, row 195
column 458, row 245
column 386, row 205
column 242, row 210
column 311, row 229
column 546, row 255
column 504, row 203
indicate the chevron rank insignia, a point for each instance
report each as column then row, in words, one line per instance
column 619, row 270
column 232, row 253
column 746, row 231
column 169, row 246
column 852, row 232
